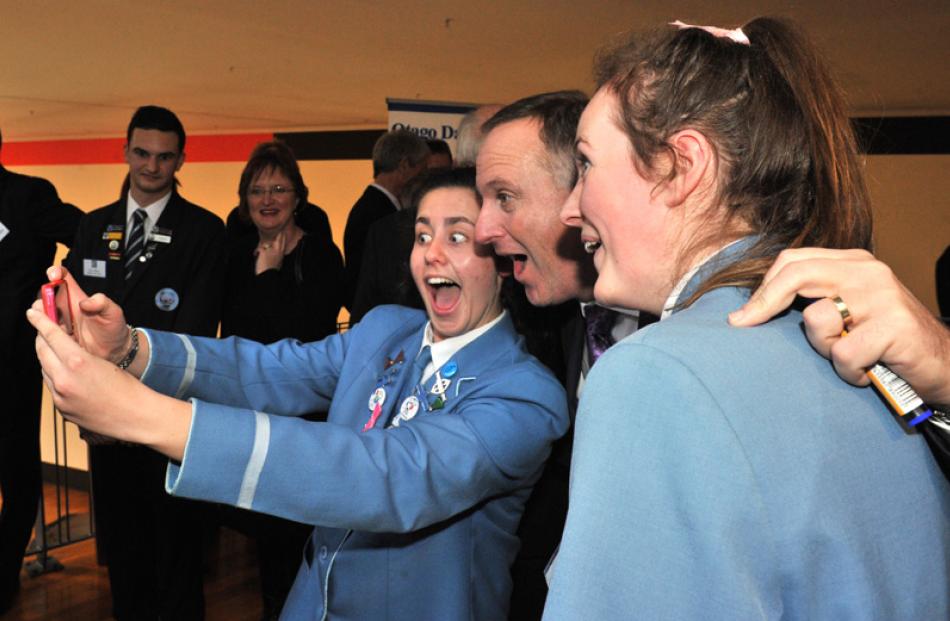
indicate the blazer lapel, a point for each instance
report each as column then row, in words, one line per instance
column 393, row 375
column 115, row 270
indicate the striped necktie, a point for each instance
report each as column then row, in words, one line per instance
column 135, row 242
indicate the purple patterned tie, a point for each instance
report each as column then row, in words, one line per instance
column 599, row 323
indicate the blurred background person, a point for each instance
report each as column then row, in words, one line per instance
column 470, row 135
column 398, row 157
column 440, row 155
column 32, row 221
column 283, row 282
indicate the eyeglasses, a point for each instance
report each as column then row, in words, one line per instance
column 277, row 191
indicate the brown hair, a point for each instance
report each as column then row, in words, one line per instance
column 789, row 167
column 270, row 156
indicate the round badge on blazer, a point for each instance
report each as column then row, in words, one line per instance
column 409, row 408
column 167, row 299
column 450, row 369
column 113, row 245
column 377, row 398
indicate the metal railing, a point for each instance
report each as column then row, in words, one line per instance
column 65, row 527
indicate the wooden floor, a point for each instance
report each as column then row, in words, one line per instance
column 80, row 592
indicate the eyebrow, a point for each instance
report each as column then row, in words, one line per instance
column 147, row 152
column 457, row 220
column 448, row 221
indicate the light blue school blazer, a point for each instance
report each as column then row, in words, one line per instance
column 728, row 473
column 411, row 522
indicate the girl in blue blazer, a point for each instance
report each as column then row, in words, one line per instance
column 719, row 472
column 439, row 423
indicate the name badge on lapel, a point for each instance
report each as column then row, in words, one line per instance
column 160, row 235
column 94, row 268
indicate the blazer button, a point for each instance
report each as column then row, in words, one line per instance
column 323, row 553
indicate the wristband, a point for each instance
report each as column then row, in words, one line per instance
column 129, row 357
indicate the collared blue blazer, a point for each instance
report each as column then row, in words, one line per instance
column 411, row 522
column 729, row 473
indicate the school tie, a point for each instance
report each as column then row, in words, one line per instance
column 419, row 366
column 136, row 241
column 415, row 377
column 599, row 322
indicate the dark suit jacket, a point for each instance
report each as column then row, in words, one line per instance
column 371, row 206
column 556, row 336
column 35, row 220
column 385, row 277
column 179, row 288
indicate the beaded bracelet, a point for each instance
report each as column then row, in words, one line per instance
column 129, row 357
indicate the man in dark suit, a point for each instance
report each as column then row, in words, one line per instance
column 398, row 157
column 162, row 259
column 32, row 221
column 526, row 171
column 386, row 278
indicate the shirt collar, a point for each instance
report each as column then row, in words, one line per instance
column 389, row 195
column 154, row 211
column 629, row 312
column 673, row 298
column 443, row 350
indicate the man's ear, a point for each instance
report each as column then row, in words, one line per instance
column 695, row 162
column 181, row 160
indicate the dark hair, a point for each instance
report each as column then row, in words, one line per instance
column 156, row 117
column 270, row 156
column 558, row 114
column 439, row 146
column 463, row 177
column 395, row 146
column 789, row 167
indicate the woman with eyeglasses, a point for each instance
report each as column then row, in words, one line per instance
column 284, row 281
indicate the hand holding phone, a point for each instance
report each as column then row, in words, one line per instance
column 48, row 293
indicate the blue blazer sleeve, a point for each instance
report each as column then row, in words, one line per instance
column 491, row 440
column 287, row 377
column 664, row 516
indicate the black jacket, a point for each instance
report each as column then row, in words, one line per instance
column 179, row 288
column 32, row 221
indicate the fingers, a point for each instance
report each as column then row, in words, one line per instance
column 100, row 304
column 855, row 353
column 806, row 272
column 46, row 329
column 823, row 325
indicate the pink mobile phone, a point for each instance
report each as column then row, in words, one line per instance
column 48, row 295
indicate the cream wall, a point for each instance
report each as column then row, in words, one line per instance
column 910, row 196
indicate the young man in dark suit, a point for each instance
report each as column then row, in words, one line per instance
column 162, row 259
column 32, row 221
